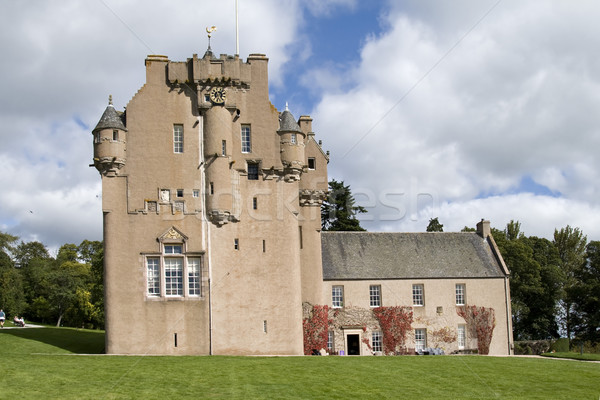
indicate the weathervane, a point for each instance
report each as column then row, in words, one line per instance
column 210, row 31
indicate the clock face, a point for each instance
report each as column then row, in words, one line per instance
column 217, row 95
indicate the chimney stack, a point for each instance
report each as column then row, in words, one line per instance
column 483, row 228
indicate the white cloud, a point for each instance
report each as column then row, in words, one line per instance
column 473, row 115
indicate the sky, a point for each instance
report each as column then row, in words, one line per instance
column 458, row 110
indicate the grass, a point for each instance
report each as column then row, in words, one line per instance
column 41, row 363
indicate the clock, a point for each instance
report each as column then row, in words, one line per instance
column 217, row 95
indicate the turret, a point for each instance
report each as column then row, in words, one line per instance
column 291, row 140
column 110, row 142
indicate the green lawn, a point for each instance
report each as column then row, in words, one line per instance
column 574, row 356
column 40, row 363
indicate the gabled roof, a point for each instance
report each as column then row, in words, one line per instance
column 367, row 255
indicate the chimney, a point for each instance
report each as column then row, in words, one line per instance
column 483, row 228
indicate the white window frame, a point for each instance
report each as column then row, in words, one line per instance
column 246, row 139
column 420, row 339
column 293, row 138
column 418, row 292
column 375, row 296
column 173, row 273
column 461, row 337
column 377, row 341
column 330, row 341
column 194, row 268
column 153, row 276
column 337, row 296
column 178, row 138
column 460, row 291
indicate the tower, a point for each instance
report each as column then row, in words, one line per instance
column 212, row 220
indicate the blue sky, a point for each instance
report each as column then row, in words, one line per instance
column 459, row 110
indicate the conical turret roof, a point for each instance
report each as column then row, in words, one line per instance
column 111, row 119
column 287, row 122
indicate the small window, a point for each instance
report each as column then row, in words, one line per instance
column 97, row 137
column 196, row 193
column 311, row 163
column 375, row 295
column 207, row 98
column 376, row 341
column 264, row 246
column 293, row 138
column 420, row 339
column 330, row 341
column 254, row 203
column 246, row 139
column 418, row 298
column 173, row 249
column 252, row 171
column 212, row 188
column 115, row 135
column 236, row 244
column 265, row 326
column 460, row 294
column 337, row 296
column 300, row 237
column 179, row 192
column 224, row 148
column 178, row 138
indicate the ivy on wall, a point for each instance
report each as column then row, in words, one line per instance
column 395, row 323
column 315, row 325
column 481, row 322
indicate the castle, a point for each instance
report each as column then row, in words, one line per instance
column 211, row 204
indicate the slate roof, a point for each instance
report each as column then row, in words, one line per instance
column 111, row 119
column 368, row 255
column 287, row 123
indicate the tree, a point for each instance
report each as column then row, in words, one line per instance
column 338, row 212
column 586, row 296
column 571, row 245
column 435, row 226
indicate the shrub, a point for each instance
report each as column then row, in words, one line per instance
column 560, row 345
column 530, row 347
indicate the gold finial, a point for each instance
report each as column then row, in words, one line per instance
column 210, row 30
column 110, row 100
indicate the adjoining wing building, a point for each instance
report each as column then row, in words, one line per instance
column 212, row 231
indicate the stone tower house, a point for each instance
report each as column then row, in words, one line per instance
column 211, row 209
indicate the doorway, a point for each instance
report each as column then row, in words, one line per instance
column 353, row 345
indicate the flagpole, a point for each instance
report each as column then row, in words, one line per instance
column 237, row 33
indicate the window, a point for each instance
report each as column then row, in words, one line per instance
column 194, row 276
column 462, row 337
column 212, row 188
column 196, row 193
column 254, row 203
column 293, row 138
column 236, row 244
column 337, row 296
column 417, row 291
column 330, row 340
column 246, row 139
column 179, row 192
column 174, row 276
column 178, row 138
column 376, row 341
column 115, row 135
column 375, row 295
column 311, row 163
column 172, row 273
column 252, row 171
column 173, row 249
column 265, row 326
column 460, row 294
column 97, row 137
column 224, row 148
column 264, row 246
column 153, row 276
column 420, row 339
